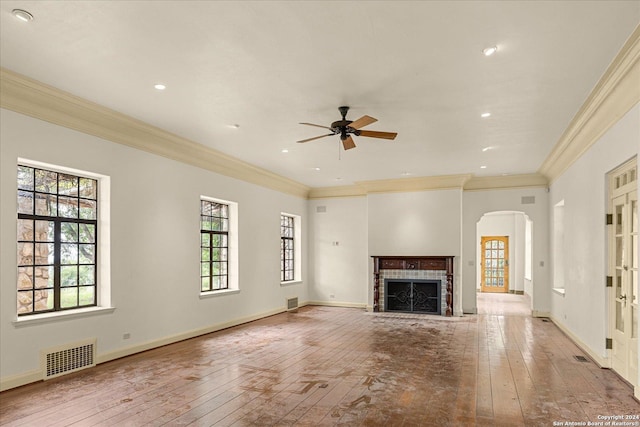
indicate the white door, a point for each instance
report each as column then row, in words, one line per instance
column 624, row 269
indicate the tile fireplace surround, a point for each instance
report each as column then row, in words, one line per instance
column 414, row 267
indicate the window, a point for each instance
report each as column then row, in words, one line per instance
column 287, row 246
column 57, row 241
column 214, row 246
column 290, row 248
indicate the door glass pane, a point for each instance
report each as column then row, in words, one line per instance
column 618, row 280
column 619, row 250
column 618, row 218
column 619, row 316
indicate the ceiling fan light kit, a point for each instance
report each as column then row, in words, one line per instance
column 345, row 128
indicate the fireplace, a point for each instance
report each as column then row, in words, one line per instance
column 407, row 295
column 415, row 269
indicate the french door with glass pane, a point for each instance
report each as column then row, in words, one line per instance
column 624, row 270
column 495, row 263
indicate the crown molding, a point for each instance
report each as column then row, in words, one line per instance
column 425, row 183
column 337, row 191
column 478, row 183
column 465, row 182
column 615, row 94
column 30, row 97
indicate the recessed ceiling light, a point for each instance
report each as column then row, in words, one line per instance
column 338, row 179
column 483, row 167
column 488, row 51
column 485, row 115
column 405, row 173
column 234, row 126
column 284, row 150
column 160, row 86
column 485, row 149
column 316, row 169
column 22, row 15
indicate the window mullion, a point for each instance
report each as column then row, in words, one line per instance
column 211, row 260
column 57, row 233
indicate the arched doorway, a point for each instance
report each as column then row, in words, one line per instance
column 504, row 255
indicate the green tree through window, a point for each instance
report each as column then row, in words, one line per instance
column 57, row 241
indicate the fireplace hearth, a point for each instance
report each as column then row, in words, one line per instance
column 412, row 296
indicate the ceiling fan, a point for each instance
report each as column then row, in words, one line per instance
column 345, row 128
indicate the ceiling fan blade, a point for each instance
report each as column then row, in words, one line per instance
column 318, row 126
column 362, row 122
column 376, row 134
column 348, row 143
column 315, row 137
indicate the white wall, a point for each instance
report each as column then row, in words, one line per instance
column 417, row 223
column 583, row 187
column 338, row 246
column 475, row 205
column 154, row 245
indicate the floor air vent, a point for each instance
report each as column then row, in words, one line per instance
column 292, row 304
column 69, row 358
column 581, row 358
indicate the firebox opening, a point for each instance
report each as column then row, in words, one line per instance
column 412, row 296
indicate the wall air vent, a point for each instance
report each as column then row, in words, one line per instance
column 292, row 304
column 528, row 200
column 68, row 358
column 321, row 209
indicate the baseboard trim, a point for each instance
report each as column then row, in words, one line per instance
column 602, row 362
column 128, row 351
column 536, row 313
column 338, row 304
column 516, row 292
column 34, row 376
column 20, row 380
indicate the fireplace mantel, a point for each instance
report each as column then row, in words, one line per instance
column 444, row 263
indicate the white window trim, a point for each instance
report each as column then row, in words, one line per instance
column 297, row 250
column 104, row 248
column 233, row 281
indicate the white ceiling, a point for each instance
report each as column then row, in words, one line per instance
column 415, row 66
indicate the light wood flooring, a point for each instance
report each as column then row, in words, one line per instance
column 339, row 366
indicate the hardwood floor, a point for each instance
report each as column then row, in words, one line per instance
column 339, row 366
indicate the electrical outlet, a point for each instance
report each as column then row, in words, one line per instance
column 332, row 295
column 126, row 336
